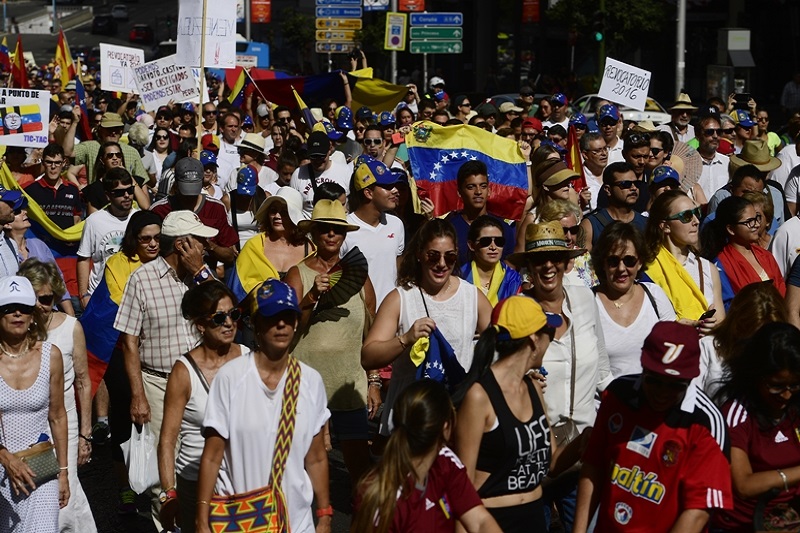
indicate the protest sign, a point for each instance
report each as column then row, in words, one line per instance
column 624, row 84
column 220, row 31
column 162, row 80
column 200, row 81
column 116, row 67
column 25, row 116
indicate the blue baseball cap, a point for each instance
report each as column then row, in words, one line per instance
column 188, row 107
column 578, row 118
column 332, row 133
column 742, row 118
column 273, row 297
column 344, row 118
column 15, row 199
column 559, row 98
column 370, row 171
column 365, row 113
column 664, row 173
column 608, row 111
column 386, row 119
column 246, row 181
column 247, row 121
column 208, row 158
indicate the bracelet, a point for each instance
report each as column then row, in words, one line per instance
column 202, row 502
column 785, row 480
column 375, row 384
column 63, row 468
column 87, row 439
column 325, row 511
column 402, row 344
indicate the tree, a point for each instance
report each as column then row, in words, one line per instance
column 298, row 31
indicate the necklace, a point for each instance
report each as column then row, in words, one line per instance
column 618, row 303
column 15, row 355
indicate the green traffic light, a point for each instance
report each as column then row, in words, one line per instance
column 598, row 36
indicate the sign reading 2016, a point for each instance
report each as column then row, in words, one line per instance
column 625, row 84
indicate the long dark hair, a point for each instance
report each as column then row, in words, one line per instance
column 420, row 414
column 714, row 236
column 410, row 270
column 152, row 146
column 100, row 163
column 138, row 221
column 774, row 347
column 654, row 236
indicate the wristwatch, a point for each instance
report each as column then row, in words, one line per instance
column 169, row 494
column 202, row 275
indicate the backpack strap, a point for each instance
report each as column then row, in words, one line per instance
column 650, row 297
column 283, row 442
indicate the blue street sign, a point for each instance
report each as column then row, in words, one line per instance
column 338, row 2
column 339, row 12
column 437, row 19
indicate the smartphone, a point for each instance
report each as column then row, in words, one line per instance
column 398, row 138
column 707, row 314
column 741, row 100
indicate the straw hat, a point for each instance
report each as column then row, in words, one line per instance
column 683, row 103
column 755, row 152
column 545, row 237
column 327, row 212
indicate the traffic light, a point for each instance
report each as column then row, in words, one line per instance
column 599, row 26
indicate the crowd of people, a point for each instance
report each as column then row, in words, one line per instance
column 624, row 356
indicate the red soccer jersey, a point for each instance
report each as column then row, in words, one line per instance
column 656, row 465
column 211, row 213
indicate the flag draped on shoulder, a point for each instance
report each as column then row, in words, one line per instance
column 251, row 268
column 437, row 152
column 19, row 74
column 65, row 67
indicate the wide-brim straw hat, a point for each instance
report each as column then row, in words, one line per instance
column 545, row 237
column 327, row 212
column 684, row 102
column 756, row 152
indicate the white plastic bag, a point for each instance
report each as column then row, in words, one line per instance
column 141, row 459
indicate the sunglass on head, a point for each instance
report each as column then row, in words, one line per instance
column 629, row 261
column 485, row 242
column 434, row 258
column 637, row 138
column 162, row 137
column 113, row 155
column 119, row 193
column 625, row 184
column 46, row 299
column 686, row 215
column 673, row 384
column 573, row 230
column 10, row 309
column 373, row 142
column 220, row 317
column 147, row 239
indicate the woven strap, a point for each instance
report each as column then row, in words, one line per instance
column 286, row 425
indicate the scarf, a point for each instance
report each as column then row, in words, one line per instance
column 680, row 287
column 505, row 281
column 740, row 273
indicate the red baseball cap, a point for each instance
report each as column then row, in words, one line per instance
column 673, row 350
column 532, row 122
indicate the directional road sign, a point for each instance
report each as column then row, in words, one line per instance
column 339, row 24
column 328, row 3
column 339, row 12
column 436, row 47
column 436, row 19
column 430, row 32
column 336, row 35
column 334, row 48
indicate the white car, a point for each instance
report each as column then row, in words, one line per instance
column 653, row 111
column 119, row 12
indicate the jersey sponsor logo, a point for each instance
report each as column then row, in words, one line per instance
column 642, row 441
column 614, row 423
column 670, row 453
column 428, row 504
column 638, row 483
column 390, row 236
column 623, row 513
column 780, row 437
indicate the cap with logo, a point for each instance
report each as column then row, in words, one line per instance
column 578, row 118
column 344, row 118
column 386, row 119
column 673, row 350
column 189, row 176
column 207, row 158
column 608, row 111
column 246, row 181
column 518, row 317
column 370, row 172
column 742, row 118
column 663, row 175
column 318, row 144
column 559, row 98
column 16, row 290
column 273, row 297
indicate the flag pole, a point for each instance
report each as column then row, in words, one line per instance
column 202, row 75
column 266, row 100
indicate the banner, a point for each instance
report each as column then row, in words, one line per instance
column 220, row 31
column 162, row 80
column 24, row 117
column 116, row 67
column 624, row 84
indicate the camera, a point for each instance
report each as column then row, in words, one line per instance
column 355, row 54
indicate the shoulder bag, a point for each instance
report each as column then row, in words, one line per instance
column 41, row 458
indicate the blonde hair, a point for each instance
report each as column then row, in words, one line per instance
column 40, row 274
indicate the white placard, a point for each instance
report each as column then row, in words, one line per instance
column 25, row 115
column 162, row 80
column 200, row 81
column 220, row 30
column 625, row 84
column 116, row 67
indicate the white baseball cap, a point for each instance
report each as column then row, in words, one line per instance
column 180, row 223
column 16, row 290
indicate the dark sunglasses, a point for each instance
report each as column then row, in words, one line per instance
column 656, row 151
column 708, row 132
column 113, row 155
column 625, row 184
column 687, row 215
column 210, row 112
column 629, row 261
column 113, row 131
column 327, row 228
column 46, row 299
column 747, row 128
column 579, row 127
column 119, row 193
column 434, row 258
column 573, row 230
column 147, row 239
column 373, row 142
column 10, row 309
column 728, row 131
column 607, row 123
column 220, row 317
column 162, row 137
column 485, row 242
column 526, row 94
column 673, row 384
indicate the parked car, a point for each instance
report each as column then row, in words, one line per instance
column 653, row 111
column 141, row 33
column 104, row 24
column 119, row 12
column 499, row 99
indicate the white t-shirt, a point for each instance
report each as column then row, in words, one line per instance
column 301, row 180
column 246, row 224
column 683, row 137
column 784, row 244
column 101, row 238
column 381, row 245
column 228, row 164
column 246, row 413
column 789, row 160
column 714, row 175
column 615, row 153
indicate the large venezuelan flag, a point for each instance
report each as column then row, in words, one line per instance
column 251, row 269
column 239, row 89
column 437, row 152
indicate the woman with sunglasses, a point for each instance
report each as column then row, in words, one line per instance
column 159, row 148
column 109, row 156
column 428, row 297
column 32, row 407
column 66, row 332
column 628, row 308
column 661, row 145
column 210, row 308
column 339, row 329
column 730, row 240
column 579, row 270
column 278, row 134
column 495, row 280
column 673, row 262
column 760, row 400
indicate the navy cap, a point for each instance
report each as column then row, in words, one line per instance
column 664, row 173
column 273, row 297
column 13, row 198
column 608, row 111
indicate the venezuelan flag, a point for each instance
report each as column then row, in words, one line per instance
column 437, row 152
column 19, row 74
column 376, row 94
column 5, row 58
column 65, row 67
column 574, row 160
column 307, row 116
column 20, row 119
column 85, row 130
column 251, row 269
column 238, row 89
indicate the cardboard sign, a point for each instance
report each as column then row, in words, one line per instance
column 200, row 81
column 220, row 31
column 162, row 80
column 116, row 67
column 625, row 84
column 24, row 116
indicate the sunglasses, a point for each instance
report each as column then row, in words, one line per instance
column 162, row 137
column 485, row 242
column 608, row 123
column 113, row 155
column 119, row 193
column 686, row 215
column 629, row 261
column 220, row 317
column 656, row 151
column 327, row 228
column 675, row 385
column 466, row 104
column 526, row 94
column 113, row 131
column 728, row 131
column 572, row 230
column 373, row 142
column 10, row 309
column 579, row 127
column 147, row 239
column 209, row 112
column 746, row 128
column 46, row 299
column 434, row 258
column 751, row 223
column 625, row 184
column 780, row 389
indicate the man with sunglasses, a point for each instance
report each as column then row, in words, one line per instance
column 508, row 112
column 715, row 165
column 319, row 169
column 658, row 456
column 619, row 186
column 608, row 122
column 558, row 102
column 525, row 101
column 209, row 123
column 679, row 127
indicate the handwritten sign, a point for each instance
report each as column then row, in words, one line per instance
column 625, row 84
column 200, row 81
column 162, row 80
column 116, row 67
column 25, row 115
column 220, row 32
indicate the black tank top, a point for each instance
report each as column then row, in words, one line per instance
column 515, row 454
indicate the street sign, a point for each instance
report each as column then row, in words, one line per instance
column 339, row 24
column 338, row 3
column 339, row 12
column 334, row 48
column 336, row 35
column 436, row 19
column 430, row 32
column 376, row 5
column 436, row 47
column 395, row 36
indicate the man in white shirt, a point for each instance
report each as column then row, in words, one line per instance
column 607, row 121
column 715, row 165
column 228, row 157
column 789, row 157
column 595, row 159
column 558, row 102
column 679, row 126
column 319, row 170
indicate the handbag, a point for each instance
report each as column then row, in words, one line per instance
column 40, row 458
column 263, row 510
